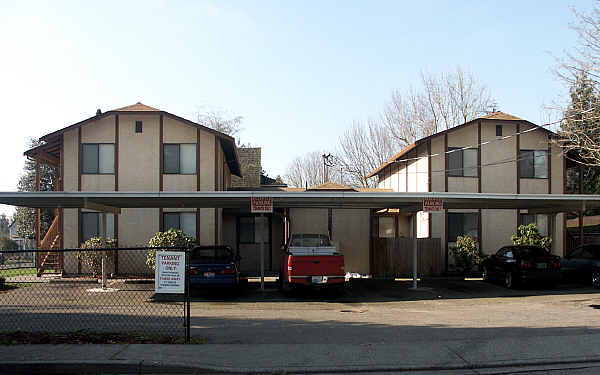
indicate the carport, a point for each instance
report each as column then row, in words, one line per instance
column 404, row 202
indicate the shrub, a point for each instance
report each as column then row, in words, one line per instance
column 93, row 259
column 530, row 235
column 466, row 254
column 172, row 237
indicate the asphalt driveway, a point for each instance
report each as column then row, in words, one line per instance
column 390, row 312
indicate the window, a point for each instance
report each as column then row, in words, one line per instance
column 498, row 130
column 460, row 224
column 98, row 158
column 541, row 221
column 138, row 126
column 186, row 221
column 91, row 225
column 387, row 229
column 249, row 229
column 179, row 158
column 462, row 163
column 534, row 163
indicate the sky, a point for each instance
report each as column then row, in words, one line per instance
column 298, row 72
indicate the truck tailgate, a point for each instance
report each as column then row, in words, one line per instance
column 326, row 265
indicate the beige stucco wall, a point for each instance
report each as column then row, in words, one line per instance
column 71, row 157
column 437, row 164
column 99, row 131
column 308, row 220
column 97, row 182
column 497, row 227
column 139, row 161
column 501, row 177
column 179, row 182
column 351, row 229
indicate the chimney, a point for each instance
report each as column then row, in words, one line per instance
column 98, row 112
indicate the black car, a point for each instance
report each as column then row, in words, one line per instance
column 521, row 264
column 583, row 264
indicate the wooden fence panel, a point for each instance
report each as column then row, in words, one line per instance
column 392, row 257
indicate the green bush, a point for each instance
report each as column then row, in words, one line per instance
column 466, row 254
column 530, row 235
column 172, row 237
column 93, row 259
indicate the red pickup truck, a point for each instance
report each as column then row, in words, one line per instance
column 311, row 260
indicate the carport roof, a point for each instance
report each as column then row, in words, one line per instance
column 405, row 202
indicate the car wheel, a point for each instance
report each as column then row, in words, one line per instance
column 508, row 280
column 596, row 279
column 484, row 274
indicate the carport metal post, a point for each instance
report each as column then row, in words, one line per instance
column 262, row 252
column 104, row 258
column 415, row 244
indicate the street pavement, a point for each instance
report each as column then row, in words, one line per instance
column 447, row 327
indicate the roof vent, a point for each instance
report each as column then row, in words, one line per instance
column 98, row 112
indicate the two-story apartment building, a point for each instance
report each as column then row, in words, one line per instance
column 496, row 153
column 143, row 149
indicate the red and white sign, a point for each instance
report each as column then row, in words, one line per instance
column 433, row 204
column 170, row 272
column 262, row 205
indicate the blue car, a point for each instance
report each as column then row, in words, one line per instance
column 214, row 266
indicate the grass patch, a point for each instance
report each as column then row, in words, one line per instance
column 18, row 272
column 88, row 337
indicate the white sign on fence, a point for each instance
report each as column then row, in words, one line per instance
column 169, row 275
column 433, row 204
column 261, row 205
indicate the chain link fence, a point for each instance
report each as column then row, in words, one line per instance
column 63, row 292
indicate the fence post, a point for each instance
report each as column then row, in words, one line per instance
column 187, row 297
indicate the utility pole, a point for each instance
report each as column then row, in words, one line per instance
column 326, row 163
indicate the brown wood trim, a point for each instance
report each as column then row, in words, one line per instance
column 161, row 155
column 62, row 211
column 581, row 232
column 549, row 158
column 330, row 222
column 79, row 158
column 216, row 242
column 160, row 220
column 429, row 176
column 446, row 238
column 116, row 156
column 518, row 218
column 517, row 156
column 479, row 160
column 415, row 162
column 406, row 176
column 198, row 160
column 446, row 183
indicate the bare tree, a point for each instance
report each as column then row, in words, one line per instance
column 305, row 170
column 444, row 101
column 363, row 148
column 220, row 120
column 580, row 71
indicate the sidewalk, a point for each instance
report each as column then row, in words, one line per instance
column 304, row 358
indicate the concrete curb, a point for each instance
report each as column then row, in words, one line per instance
column 145, row 367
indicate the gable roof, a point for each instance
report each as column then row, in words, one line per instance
column 498, row 116
column 331, row 186
column 227, row 142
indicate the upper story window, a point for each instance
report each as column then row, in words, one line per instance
column 98, row 158
column 179, row 158
column 533, row 163
column 138, row 126
column 498, row 130
column 462, row 163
